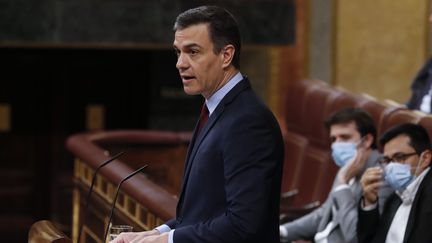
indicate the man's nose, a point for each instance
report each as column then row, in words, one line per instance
column 182, row 62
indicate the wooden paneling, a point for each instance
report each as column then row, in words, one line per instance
column 145, row 201
column 380, row 45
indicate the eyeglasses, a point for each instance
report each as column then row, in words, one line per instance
column 399, row 158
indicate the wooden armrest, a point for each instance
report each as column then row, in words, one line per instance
column 289, row 194
column 45, row 232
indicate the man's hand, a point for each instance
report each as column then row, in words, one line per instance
column 371, row 182
column 162, row 238
column 135, row 236
column 354, row 167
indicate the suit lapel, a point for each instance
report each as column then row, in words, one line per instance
column 413, row 212
column 327, row 217
column 198, row 138
column 392, row 205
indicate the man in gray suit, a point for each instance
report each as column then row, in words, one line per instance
column 352, row 133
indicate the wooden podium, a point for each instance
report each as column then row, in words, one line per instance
column 145, row 201
column 46, row 232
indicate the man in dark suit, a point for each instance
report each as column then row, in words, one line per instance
column 421, row 87
column 406, row 168
column 232, row 176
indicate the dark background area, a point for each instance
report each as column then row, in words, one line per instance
column 135, row 21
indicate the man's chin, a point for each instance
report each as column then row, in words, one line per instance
column 190, row 91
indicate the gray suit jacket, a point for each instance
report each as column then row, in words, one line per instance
column 345, row 203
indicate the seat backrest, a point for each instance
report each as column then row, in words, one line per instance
column 295, row 149
column 426, row 122
column 295, row 97
column 341, row 100
column 313, row 173
column 397, row 116
column 314, row 114
column 374, row 108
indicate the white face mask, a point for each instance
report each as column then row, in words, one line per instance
column 399, row 177
column 343, row 152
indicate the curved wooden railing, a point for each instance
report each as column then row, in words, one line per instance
column 145, row 201
column 46, row 232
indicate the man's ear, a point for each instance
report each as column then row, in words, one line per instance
column 427, row 156
column 368, row 140
column 227, row 55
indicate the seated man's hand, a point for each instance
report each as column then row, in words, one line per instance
column 354, row 167
column 371, row 182
column 134, row 236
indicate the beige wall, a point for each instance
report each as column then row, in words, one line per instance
column 379, row 45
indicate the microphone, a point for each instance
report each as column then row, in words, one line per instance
column 91, row 191
column 115, row 199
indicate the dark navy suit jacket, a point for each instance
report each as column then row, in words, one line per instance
column 232, row 176
column 419, row 86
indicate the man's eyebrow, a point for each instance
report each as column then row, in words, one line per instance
column 188, row 46
column 192, row 45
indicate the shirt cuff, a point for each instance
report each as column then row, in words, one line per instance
column 369, row 207
column 171, row 236
column 283, row 232
column 163, row 228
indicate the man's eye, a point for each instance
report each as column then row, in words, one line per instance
column 194, row 52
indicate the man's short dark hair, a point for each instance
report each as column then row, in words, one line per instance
column 419, row 138
column 223, row 28
column 364, row 122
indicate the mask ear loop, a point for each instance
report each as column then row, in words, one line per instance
column 418, row 165
column 408, row 198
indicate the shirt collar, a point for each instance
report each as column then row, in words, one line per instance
column 408, row 195
column 215, row 99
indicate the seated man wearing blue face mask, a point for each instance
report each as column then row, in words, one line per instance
column 405, row 167
column 352, row 133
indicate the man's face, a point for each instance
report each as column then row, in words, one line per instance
column 345, row 132
column 201, row 70
column 399, row 150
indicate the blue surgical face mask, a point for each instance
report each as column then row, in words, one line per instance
column 398, row 175
column 343, row 152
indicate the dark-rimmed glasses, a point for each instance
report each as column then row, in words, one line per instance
column 398, row 157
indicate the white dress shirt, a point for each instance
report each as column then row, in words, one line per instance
column 425, row 105
column 397, row 228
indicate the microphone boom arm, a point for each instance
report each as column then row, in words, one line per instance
column 115, row 198
column 91, row 191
